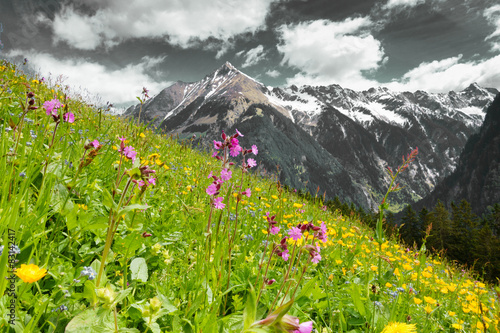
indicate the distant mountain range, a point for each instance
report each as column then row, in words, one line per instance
column 328, row 137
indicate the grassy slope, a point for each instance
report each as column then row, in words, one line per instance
column 58, row 216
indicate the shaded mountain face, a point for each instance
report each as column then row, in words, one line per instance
column 338, row 139
column 477, row 175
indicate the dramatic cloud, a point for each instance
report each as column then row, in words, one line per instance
column 329, row 52
column 450, row 74
column 402, row 3
column 492, row 14
column 184, row 23
column 116, row 86
column 273, row 73
column 253, row 56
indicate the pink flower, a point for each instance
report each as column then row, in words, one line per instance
column 255, row 151
column 69, row 117
column 217, row 144
column 316, row 257
column 248, row 192
column 140, row 183
column 130, row 153
column 211, row 189
column 95, row 143
column 305, row 327
column 225, row 174
column 152, row 181
column 238, row 132
column 235, row 150
column 295, row 233
column 52, row 106
column 122, row 139
column 274, row 230
column 218, row 203
column 210, row 175
column 285, row 255
column 251, row 162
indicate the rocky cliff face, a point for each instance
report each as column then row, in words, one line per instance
column 477, row 175
column 316, row 134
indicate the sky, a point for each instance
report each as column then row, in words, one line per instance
column 113, row 48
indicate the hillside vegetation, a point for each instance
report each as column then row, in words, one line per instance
column 113, row 228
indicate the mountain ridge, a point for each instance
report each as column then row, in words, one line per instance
column 363, row 131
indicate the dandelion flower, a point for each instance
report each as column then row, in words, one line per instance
column 400, row 328
column 30, row 273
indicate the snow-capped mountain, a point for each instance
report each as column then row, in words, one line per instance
column 328, row 136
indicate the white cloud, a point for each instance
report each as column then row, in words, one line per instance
column 450, row 74
column 402, row 3
column 329, row 52
column 183, row 23
column 273, row 73
column 492, row 15
column 253, row 56
column 116, row 86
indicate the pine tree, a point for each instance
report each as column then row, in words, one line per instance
column 463, row 233
column 410, row 230
column 440, row 233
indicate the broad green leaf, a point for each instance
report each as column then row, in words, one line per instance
column 139, row 269
column 356, row 297
column 128, row 208
column 250, row 312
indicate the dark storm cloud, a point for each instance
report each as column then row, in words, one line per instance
column 405, row 44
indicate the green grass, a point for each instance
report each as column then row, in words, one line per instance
column 176, row 264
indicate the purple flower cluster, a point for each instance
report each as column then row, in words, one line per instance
column 127, row 151
column 231, row 145
column 51, row 109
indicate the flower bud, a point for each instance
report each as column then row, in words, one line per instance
column 155, row 304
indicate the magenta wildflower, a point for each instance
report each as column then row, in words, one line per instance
column 295, row 233
column 95, row 143
column 238, row 132
column 210, row 175
column 285, row 255
column 211, row 189
column 122, row 139
column 152, row 181
column 235, row 150
column 218, row 203
column 305, row 327
column 316, row 257
column 51, row 107
column 251, row 162
column 130, row 153
column 69, row 117
column 217, row 145
column 248, row 192
column 139, row 182
column 255, row 151
column 274, row 230
column 225, row 174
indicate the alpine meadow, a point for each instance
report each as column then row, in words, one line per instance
column 111, row 226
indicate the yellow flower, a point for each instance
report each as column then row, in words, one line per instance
column 451, row 313
column 274, row 197
column 388, row 285
column 417, row 300
column 428, row 309
column 400, row 328
column 30, row 273
column 429, row 300
column 457, row 326
column 142, row 135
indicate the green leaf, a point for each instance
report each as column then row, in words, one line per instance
column 107, row 199
column 128, row 208
column 250, row 312
column 356, row 297
column 139, row 269
column 89, row 292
